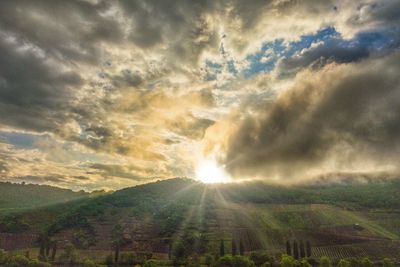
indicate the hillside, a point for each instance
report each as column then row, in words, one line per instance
column 27, row 196
column 181, row 215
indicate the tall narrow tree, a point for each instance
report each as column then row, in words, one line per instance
column 302, row 250
column 222, row 248
column 295, row 250
column 241, row 248
column 288, row 248
column 234, row 249
column 54, row 250
column 308, row 248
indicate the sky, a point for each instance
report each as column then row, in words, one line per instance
column 107, row 94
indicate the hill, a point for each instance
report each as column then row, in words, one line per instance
column 15, row 196
column 182, row 217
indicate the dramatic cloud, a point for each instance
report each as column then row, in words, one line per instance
column 339, row 118
column 97, row 93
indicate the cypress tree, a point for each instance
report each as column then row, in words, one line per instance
column 302, row 250
column 222, row 248
column 54, row 251
column 234, row 249
column 308, row 248
column 295, row 250
column 288, row 248
column 116, row 255
column 241, row 248
column 41, row 252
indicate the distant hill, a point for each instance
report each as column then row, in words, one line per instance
column 15, row 196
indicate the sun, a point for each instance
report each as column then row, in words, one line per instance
column 208, row 171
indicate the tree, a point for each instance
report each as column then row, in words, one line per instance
column 54, row 250
column 241, row 248
column 118, row 240
column 325, row 261
column 308, row 249
column 222, row 248
column 178, row 252
column 234, row 249
column 295, row 250
column 302, row 250
column 44, row 242
column 288, row 248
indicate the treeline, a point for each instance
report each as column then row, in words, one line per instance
column 70, row 257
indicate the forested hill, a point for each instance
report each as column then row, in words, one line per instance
column 25, row 196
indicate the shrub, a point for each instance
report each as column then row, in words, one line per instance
column 235, row 261
column 388, row 262
column 70, row 255
column 240, row 261
column 259, row 258
column 128, row 258
column 150, row 263
column 344, row 263
column 325, row 261
column 366, row 263
column 208, row 259
column 288, row 261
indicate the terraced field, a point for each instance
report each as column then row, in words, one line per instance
column 332, row 231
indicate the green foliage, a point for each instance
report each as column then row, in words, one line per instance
column 208, row 259
column 13, row 224
column 128, row 259
column 344, row 263
column 109, row 260
column 365, row 262
column 88, row 263
column 388, row 262
column 234, row 261
column 150, row 263
column 69, row 255
column 259, row 258
column 234, row 249
column 222, row 248
column 304, row 263
column 325, row 261
column 21, row 261
column 288, row 261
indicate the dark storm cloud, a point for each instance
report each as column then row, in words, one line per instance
column 347, row 113
column 33, row 92
column 68, row 30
